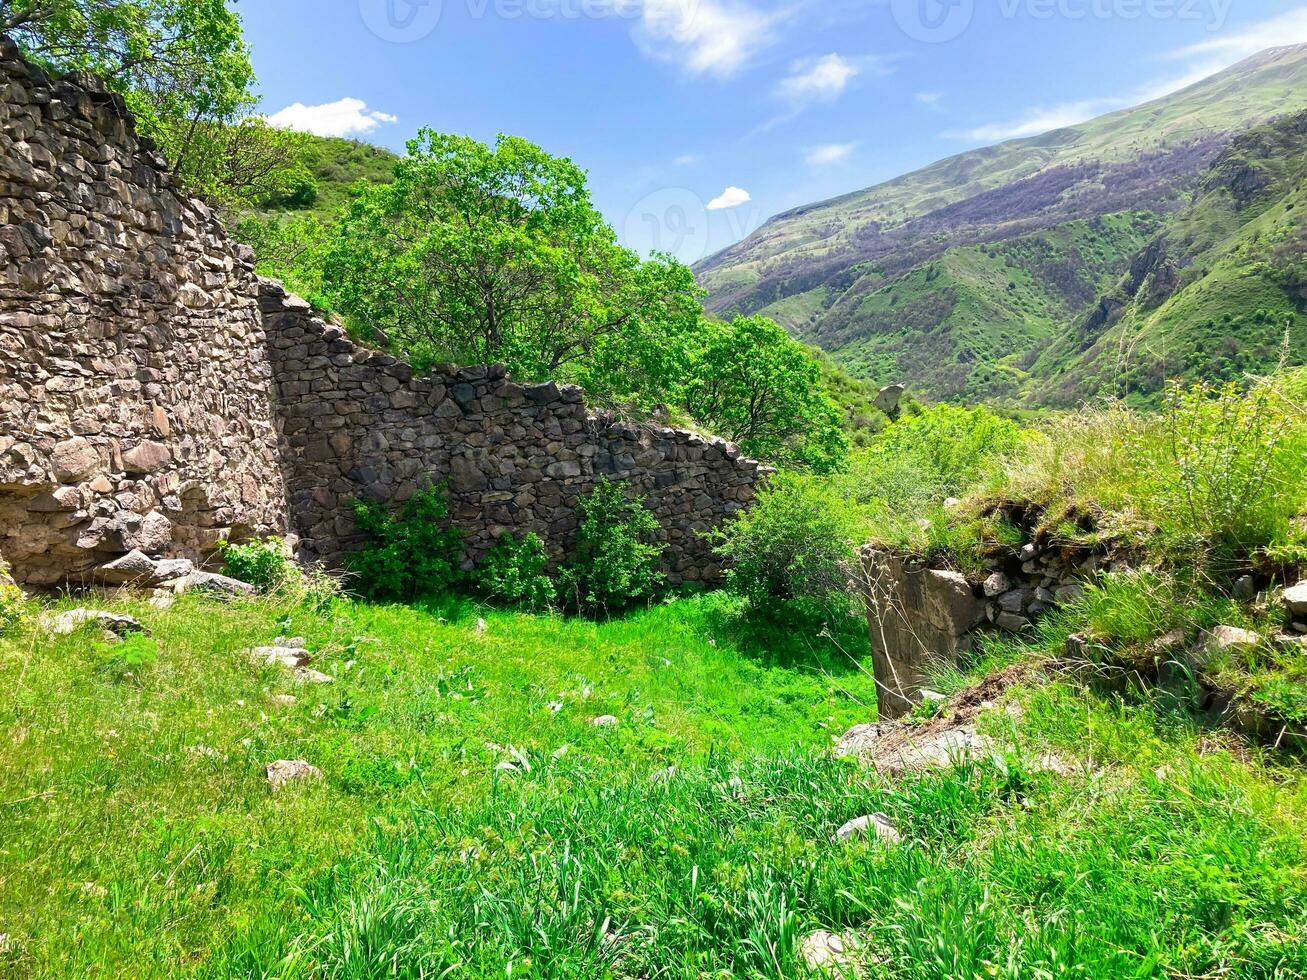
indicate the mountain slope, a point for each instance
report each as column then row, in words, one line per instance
column 1220, row 291
column 836, row 272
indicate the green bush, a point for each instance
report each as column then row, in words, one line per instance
column 411, row 555
column 13, row 603
column 515, row 573
column 792, row 552
column 263, row 564
column 617, row 559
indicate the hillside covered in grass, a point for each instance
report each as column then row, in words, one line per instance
column 995, row 274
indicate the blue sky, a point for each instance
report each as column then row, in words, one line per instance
column 698, row 119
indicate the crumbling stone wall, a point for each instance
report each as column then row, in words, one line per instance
column 922, row 618
column 515, row 456
column 135, row 399
column 155, row 396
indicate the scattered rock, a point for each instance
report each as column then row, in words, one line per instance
column 285, row 772
column 1168, row 642
column 605, row 721
column 481, row 627
column 1066, row 594
column 1011, row 622
column 1076, row 647
column 306, row 675
column 65, row 624
column 1224, row 639
column 284, row 700
column 996, row 585
column 1245, row 588
column 876, row 825
column 1295, row 600
column 138, row 569
column 216, row 585
column 858, row 741
column 889, row 398
column 829, row 953
column 289, row 657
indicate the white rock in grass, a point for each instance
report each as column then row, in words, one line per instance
column 1295, row 600
column 289, row 657
column 284, row 700
column 876, row 825
column 605, row 721
column 830, row 954
column 481, row 627
column 286, row 771
column 307, row 676
column 663, row 776
column 69, row 622
column 1222, row 639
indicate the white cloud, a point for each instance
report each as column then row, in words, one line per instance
column 1204, row 60
column 821, row 79
column 712, row 37
column 1040, row 119
column 1288, row 28
column 829, row 153
column 347, row 117
column 687, row 160
column 931, row 99
column 732, row 197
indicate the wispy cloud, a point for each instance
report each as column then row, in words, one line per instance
column 929, row 99
column 687, row 160
column 707, row 37
column 1040, row 119
column 821, row 79
column 732, row 197
column 346, row 117
column 1202, row 61
column 1288, row 28
column 828, row 153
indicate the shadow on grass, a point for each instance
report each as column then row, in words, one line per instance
column 834, row 643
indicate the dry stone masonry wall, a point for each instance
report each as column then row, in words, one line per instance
column 515, row 457
column 155, row 396
column 922, row 617
column 135, row 402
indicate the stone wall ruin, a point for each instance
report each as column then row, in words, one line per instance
column 156, row 396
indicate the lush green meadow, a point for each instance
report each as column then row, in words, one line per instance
column 472, row 822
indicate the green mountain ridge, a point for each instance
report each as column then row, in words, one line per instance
column 968, row 279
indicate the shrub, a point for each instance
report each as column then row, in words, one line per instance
column 791, row 553
column 1225, row 444
column 616, row 562
column 263, row 564
column 515, row 573
column 412, row 555
column 13, row 602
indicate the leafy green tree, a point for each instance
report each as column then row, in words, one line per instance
column 184, row 69
column 752, row 383
column 479, row 254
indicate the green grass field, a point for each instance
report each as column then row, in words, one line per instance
column 472, row 822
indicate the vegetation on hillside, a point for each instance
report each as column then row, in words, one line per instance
column 1001, row 274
